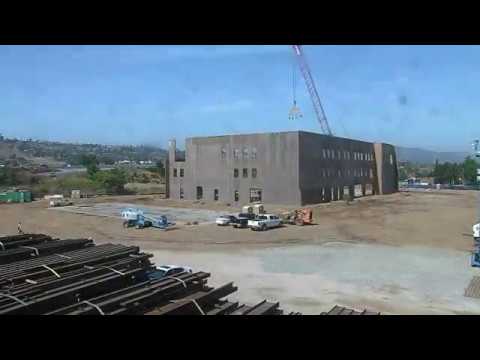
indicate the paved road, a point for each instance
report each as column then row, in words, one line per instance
column 67, row 171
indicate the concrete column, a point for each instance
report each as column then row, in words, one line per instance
column 335, row 193
column 167, row 178
column 328, row 194
column 351, row 191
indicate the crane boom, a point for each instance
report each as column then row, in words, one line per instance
column 312, row 90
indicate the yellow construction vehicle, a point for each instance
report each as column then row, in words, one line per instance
column 298, row 217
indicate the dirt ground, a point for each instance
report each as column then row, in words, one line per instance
column 438, row 219
column 381, row 252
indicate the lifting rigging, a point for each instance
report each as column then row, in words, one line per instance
column 312, row 90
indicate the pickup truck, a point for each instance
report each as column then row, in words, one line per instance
column 264, row 222
column 242, row 220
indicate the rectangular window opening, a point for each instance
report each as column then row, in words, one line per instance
column 255, row 195
column 199, row 193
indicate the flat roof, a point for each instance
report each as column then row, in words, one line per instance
column 275, row 133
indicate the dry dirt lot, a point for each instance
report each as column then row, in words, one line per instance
column 440, row 220
column 402, row 253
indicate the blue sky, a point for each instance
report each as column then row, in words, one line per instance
column 421, row 96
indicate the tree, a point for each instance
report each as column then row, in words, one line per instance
column 402, row 173
column 113, row 181
column 470, row 167
column 448, row 173
column 8, row 177
column 91, row 163
column 160, row 168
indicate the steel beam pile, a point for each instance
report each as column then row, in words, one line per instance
column 77, row 277
column 40, row 275
column 22, row 252
column 12, row 242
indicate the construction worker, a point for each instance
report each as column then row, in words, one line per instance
column 19, row 227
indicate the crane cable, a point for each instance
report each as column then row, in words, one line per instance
column 294, row 83
column 295, row 112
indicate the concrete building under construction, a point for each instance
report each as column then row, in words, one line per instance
column 294, row 168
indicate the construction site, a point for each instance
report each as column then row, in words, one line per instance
column 391, row 254
column 284, row 223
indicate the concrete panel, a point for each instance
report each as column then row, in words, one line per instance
column 211, row 163
column 386, row 169
column 327, row 161
column 291, row 167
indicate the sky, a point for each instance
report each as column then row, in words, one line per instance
column 416, row 96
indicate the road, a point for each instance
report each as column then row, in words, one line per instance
column 72, row 170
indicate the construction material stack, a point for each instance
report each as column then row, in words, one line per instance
column 41, row 275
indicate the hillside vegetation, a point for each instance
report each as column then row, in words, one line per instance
column 57, row 154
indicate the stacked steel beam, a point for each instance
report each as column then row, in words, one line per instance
column 77, row 277
column 22, row 252
column 12, row 242
column 40, row 275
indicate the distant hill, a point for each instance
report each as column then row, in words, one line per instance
column 57, row 154
column 422, row 156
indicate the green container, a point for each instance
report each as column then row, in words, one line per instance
column 16, row 196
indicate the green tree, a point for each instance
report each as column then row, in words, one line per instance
column 160, row 168
column 112, row 181
column 8, row 177
column 470, row 167
column 448, row 173
column 91, row 163
column 402, row 173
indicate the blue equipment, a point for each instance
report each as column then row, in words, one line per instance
column 136, row 218
column 475, row 259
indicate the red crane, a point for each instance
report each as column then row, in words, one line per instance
column 312, row 90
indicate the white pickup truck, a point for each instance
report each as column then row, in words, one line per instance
column 264, row 222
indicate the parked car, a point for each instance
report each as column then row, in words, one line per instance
column 264, row 222
column 225, row 220
column 242, row 220
column 168, row 270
